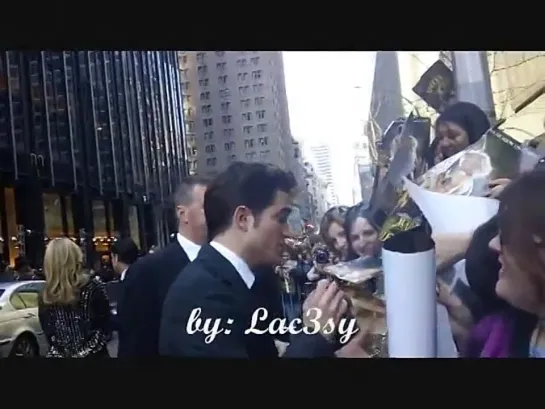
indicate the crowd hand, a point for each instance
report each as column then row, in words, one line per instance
column 313, row 274
column 445, row 297
column 354, row 348
column 496, row 187
column 325, row 304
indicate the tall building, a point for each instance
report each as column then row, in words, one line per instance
column 317, row 193
column 235, row 109
column 386, row 102
column 322, row 160
column 363, row 179
column 91, row 147
column 297, row 166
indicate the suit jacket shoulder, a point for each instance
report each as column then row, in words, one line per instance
column 212, row 288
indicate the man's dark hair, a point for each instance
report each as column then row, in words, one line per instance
column 126, row 250
column 183, row 194
column 253, row 185
column 22, row 264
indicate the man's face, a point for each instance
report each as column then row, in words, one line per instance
column 453, row 140
column 265, row 235
column 192, row 214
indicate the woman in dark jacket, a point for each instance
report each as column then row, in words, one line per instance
column 74, row 310
column 492, row 312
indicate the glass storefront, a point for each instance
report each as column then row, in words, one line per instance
column 133, row 225
column 100, row 224
column 11, row 224
column 52, row 216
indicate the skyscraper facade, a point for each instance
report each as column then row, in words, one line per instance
column 91, row 147
column 322, row 159
column 235, row 109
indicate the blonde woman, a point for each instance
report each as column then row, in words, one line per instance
column 74, row 309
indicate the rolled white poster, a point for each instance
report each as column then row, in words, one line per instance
column 408, row 261
column 452, row 213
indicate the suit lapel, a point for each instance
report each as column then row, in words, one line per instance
column 222, row 268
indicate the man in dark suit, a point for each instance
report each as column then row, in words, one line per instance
column 124, row 254
column 148, row 280
column 247, row 208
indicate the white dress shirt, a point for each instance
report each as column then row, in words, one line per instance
column 190, row 248
column 238, row 263
column 122, row 277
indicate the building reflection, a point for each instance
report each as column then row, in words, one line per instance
column 91, row 144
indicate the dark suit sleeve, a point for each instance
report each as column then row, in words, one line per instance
column 177, row 339
column 310, row 346
column 137, row 320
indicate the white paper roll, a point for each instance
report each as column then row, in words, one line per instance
column 411, row 304
column 452, row 213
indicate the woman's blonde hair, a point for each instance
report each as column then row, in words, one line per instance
column 64, row 275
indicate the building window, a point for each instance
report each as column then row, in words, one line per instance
column 225, row 93
column 262, row 128
column 205, row 96
column 186, row 99
column 229, row 146
column 254, row 60
column 225, row 106
column 250, row 156
column 241, row 62
column 248, row 143
column 220, row 53
column 256, row 75
column 245, row 103
column 228, row 132
column 209, row 135
column 242, row 76
column 203, row 83
column 192, row 167
column 185, row 86
column 259, row 100
column 244, row 89
column 264, row 141
column 206, row 109
column 226, row 119
column 190, row 126
column 220, row 66
column 257, row 87
column 222, row 79
column 207, row 122
column 202, row 70
column 188, row 112
column 264, row 155
column 184, row 73
column 200, row 57
column 211, row 162
column 232, row 158
column 247, row 116
column 260, row 114
column 184, row 59
column 247, row 130
column 210, row 148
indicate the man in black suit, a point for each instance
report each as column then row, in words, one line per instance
column 247, row 208
column 148, row 280
column 124, row 254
